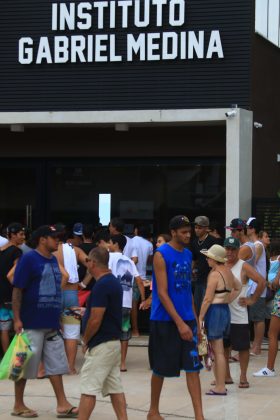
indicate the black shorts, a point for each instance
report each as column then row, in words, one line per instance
column 239, row 339
column 168, row 353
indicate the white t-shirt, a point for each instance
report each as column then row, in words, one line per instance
column 143, row 249
column 125, row 270
column 129, row 250
column 3, row 241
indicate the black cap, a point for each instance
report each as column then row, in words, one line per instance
column 178, row 222
column 15, row 228
column 236, row 224
column 43, row 232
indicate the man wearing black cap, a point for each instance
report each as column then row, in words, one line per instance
column 247, row 250
column 202, row 242
column 173, row 328
column 37, row 309
column 9, row 255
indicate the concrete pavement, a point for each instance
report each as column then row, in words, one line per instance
column 259, row 402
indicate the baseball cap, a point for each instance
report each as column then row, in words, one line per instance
column 178, row 222
column 252, row 222
column 43, row 232
column 202, row 221
column 15, row 228
column 231, row 243
column 236, row 224
column 78, row 229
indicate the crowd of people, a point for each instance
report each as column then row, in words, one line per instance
column 88, row 284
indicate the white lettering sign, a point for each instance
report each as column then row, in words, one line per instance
column 157, row 31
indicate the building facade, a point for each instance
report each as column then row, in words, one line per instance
column 158, row 103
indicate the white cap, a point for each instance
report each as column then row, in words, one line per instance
column 250, row 220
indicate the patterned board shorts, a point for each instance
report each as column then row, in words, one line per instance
column 276, row 305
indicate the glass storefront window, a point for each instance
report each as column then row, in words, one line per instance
column 141, row 190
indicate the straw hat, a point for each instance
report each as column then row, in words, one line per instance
column 216, row 252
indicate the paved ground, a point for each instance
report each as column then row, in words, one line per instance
column 259, row 402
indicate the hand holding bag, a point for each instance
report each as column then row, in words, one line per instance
column 205, row 350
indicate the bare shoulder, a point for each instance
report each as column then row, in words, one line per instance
column 214, row 276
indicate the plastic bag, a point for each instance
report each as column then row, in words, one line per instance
column 16, row 357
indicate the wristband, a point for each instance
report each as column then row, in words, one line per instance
column 82, row 284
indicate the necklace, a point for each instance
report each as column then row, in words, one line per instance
column 201, row 242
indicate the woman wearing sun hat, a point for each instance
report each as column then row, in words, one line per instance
column 222, row 288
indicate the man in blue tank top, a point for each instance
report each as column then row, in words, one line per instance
column 173, row 329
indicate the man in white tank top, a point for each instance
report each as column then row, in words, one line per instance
column 240, row 332
column 257, row 313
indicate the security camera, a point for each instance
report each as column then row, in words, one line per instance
column 231, row 113
column 258, row 125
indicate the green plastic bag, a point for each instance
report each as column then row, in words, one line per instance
column 16, row 357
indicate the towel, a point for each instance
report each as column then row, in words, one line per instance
column 70, row 262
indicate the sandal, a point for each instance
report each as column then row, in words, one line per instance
column 26, row 414
column 244, row 385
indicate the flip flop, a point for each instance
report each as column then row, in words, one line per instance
column 67, row 414
column 26, row 414
column 212, row 392
column 244, row 385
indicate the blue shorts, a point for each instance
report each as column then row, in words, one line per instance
column 6, row 319
column 168, row 353
column 217, row 321
column 69, row 298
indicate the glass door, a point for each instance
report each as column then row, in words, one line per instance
column 19, row 192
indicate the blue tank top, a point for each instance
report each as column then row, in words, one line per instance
column 273, row 270
column 178, row 268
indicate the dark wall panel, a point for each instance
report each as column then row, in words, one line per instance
column 88, row 142
column 197, row 83
column 265, row 104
